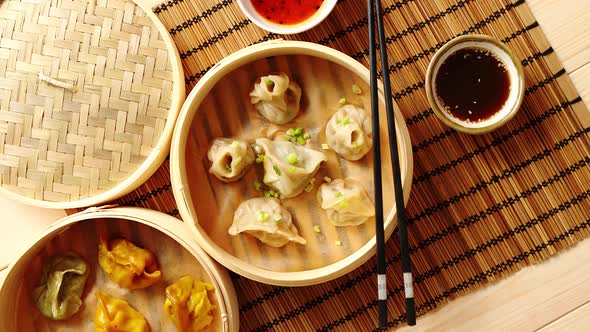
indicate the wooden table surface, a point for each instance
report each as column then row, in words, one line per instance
column 551, row 296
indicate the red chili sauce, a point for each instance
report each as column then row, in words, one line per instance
column 287, row 11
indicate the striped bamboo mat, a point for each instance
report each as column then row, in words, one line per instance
column 482, row 207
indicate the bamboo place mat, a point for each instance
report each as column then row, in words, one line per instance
column 481, row 207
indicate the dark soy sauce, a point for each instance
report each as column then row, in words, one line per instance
column 472, row 84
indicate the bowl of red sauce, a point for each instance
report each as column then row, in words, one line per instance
column 475, row 84
column 286, row 16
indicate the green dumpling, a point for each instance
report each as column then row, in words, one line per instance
column 60, row 289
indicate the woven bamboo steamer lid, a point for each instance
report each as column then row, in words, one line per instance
column 89, row 93
column 73, row 233
column 219, row 106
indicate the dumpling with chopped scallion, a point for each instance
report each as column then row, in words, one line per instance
column 288, row 167
column 346, row 202
column 276, row 97
column 267, row 220
column 349, row 132
column 230, row 158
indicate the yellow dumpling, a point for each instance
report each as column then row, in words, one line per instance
column 128, row 265
column 114, row 315
column 188, row 305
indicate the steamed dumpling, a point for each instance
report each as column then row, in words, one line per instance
column 115, row 315
column 276, row 98
column 188, row 305
column 349, row 132
column 346, row 202
column 288, row 167
column 60, row 289
column 267, row 220
column 230, row 158
column 127, row 264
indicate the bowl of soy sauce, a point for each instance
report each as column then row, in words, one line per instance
column 474, row 84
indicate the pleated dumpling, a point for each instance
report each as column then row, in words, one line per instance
column 188, row 305
column 127, row 264
column 267, row 220
column 230, row 158
column 277, row 98
column 115, row 315
column 288, row 167
column 349, row 132
column 58, row 295
column 346, row 202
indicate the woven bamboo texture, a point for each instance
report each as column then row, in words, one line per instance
column 69, row 144
column 481, row 208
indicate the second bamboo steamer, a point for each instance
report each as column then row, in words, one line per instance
column 219, row 106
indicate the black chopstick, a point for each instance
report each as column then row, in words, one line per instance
column 374, row 9
column 379, row 232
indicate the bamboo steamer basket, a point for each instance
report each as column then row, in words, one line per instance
column 164, row 235
column 109, row 129
column 219, row 106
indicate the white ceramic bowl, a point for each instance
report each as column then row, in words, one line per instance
column 284, row 29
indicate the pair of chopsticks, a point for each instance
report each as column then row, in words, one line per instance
column 375, row 13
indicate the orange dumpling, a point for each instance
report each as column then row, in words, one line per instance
column 188, row 305
column 128, row 265
column 115, row 315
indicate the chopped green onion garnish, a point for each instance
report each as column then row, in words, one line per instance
column 327, row 179
column 238, row 160
column 277, row 218
column 343, row 204
column 317, row 229
column 257, row 185
column 338, row 243
column 355, row 144
column 309, row 187
column 277, row 170
column 267, row 193
column 270, row 82
column 346, row 121
column 260, row 158
column 292, row 169
column 297, row 135
column 262, row 216
column 342, row 101
column 356, row 89
column 338, row 194
column 235, row 144
column 228, row 166
column 325, row 146
column 292, row 158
